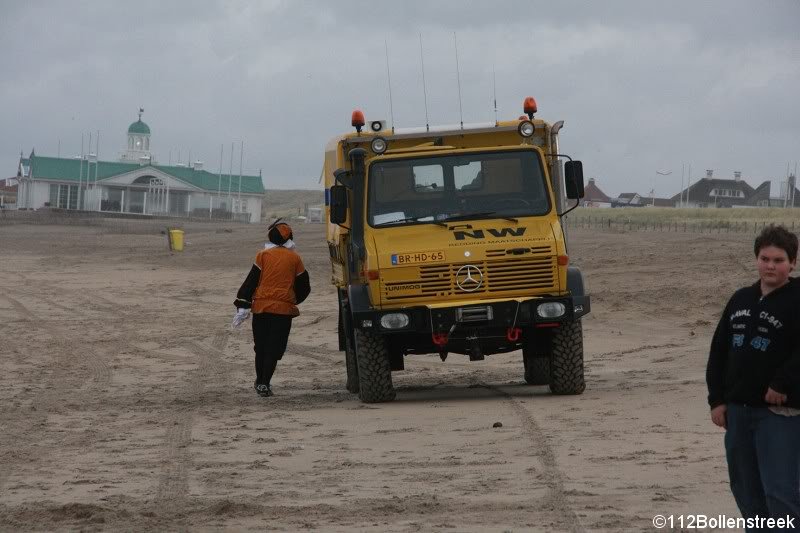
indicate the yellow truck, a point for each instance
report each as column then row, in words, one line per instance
column 449, row 240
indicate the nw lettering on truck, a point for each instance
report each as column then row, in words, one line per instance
column 478, row 233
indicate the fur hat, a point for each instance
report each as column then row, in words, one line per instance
column 279, row 232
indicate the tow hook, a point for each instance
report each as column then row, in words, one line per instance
column 512, row 334
column 440, row 339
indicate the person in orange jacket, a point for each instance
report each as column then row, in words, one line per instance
column 277, row 282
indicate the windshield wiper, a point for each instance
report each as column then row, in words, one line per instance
column 485, row 214
column 410, row 219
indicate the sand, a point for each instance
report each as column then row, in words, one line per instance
column 126, row 403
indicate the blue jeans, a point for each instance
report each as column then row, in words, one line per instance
column 763, row 451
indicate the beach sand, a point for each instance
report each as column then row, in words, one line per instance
column 126, row 402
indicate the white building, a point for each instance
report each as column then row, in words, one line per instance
column 136, row 183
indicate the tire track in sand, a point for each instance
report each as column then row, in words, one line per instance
column 64, row 382
column 176, row 461
column 556, row 499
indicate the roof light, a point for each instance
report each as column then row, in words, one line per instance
column 379, row 145
column 529, row 106
column 526, row 128
column 377, row 125
column 357, row 120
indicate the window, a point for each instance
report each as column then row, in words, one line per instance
column 72, row 195
column 437, row 187
column 428, row 178
column 64, row 196
column 468, row 177
column 728, row 193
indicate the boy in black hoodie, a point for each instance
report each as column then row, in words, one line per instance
column 753, row 378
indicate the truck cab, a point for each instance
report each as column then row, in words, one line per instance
column 449, row 240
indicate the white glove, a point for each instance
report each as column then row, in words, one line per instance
column 241, row 315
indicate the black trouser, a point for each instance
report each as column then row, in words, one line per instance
column 270, row 335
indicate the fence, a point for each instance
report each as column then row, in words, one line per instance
column 675, row 226
column 111, row 222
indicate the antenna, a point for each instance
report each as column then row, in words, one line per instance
column 389, row 78
column 494, row 88
column 424, row 90
column 458, row 76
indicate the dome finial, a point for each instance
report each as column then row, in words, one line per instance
column 141, row 110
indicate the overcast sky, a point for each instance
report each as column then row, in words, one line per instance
column 641, row 86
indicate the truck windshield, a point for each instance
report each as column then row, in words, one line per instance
column 435, row 188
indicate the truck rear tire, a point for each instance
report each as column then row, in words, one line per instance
column 374, row 369
column 566, row 364
column 351, row 364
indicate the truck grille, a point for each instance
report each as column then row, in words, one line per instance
column 510, row 274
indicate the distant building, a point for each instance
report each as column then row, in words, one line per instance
column 315, row 214
column 648, row 201
column 593, row 196
column 736, row 192
column 627, row 199
column 136, row 183
column 8, row 192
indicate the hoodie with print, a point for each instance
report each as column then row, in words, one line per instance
column 756, row 346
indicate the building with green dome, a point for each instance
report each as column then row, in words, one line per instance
column 137, row 183
column 138, row 141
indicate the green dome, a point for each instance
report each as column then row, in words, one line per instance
column 139, row 127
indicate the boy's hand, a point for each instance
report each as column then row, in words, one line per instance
column 718, row 416
column 774, row 398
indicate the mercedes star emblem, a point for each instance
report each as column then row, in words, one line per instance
column 469, row 278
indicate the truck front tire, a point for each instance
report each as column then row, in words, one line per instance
column 374, row 368
column 566, row 363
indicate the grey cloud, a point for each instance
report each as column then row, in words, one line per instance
column 641, row 85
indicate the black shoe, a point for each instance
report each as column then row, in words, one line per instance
column 263, row 390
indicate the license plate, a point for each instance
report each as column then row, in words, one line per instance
column 417, row 257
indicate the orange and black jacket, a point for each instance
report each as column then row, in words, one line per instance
column 277, row 282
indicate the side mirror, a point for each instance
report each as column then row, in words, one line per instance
column 573, row 179
column 338, row 204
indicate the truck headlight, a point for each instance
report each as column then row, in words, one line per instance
column 379, row 145
column 394, row 320
column 526, row 128
column 551, row 310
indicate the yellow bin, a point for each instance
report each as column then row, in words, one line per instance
column 176, row 240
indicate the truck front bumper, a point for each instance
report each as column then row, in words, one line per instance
column 493, row 314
